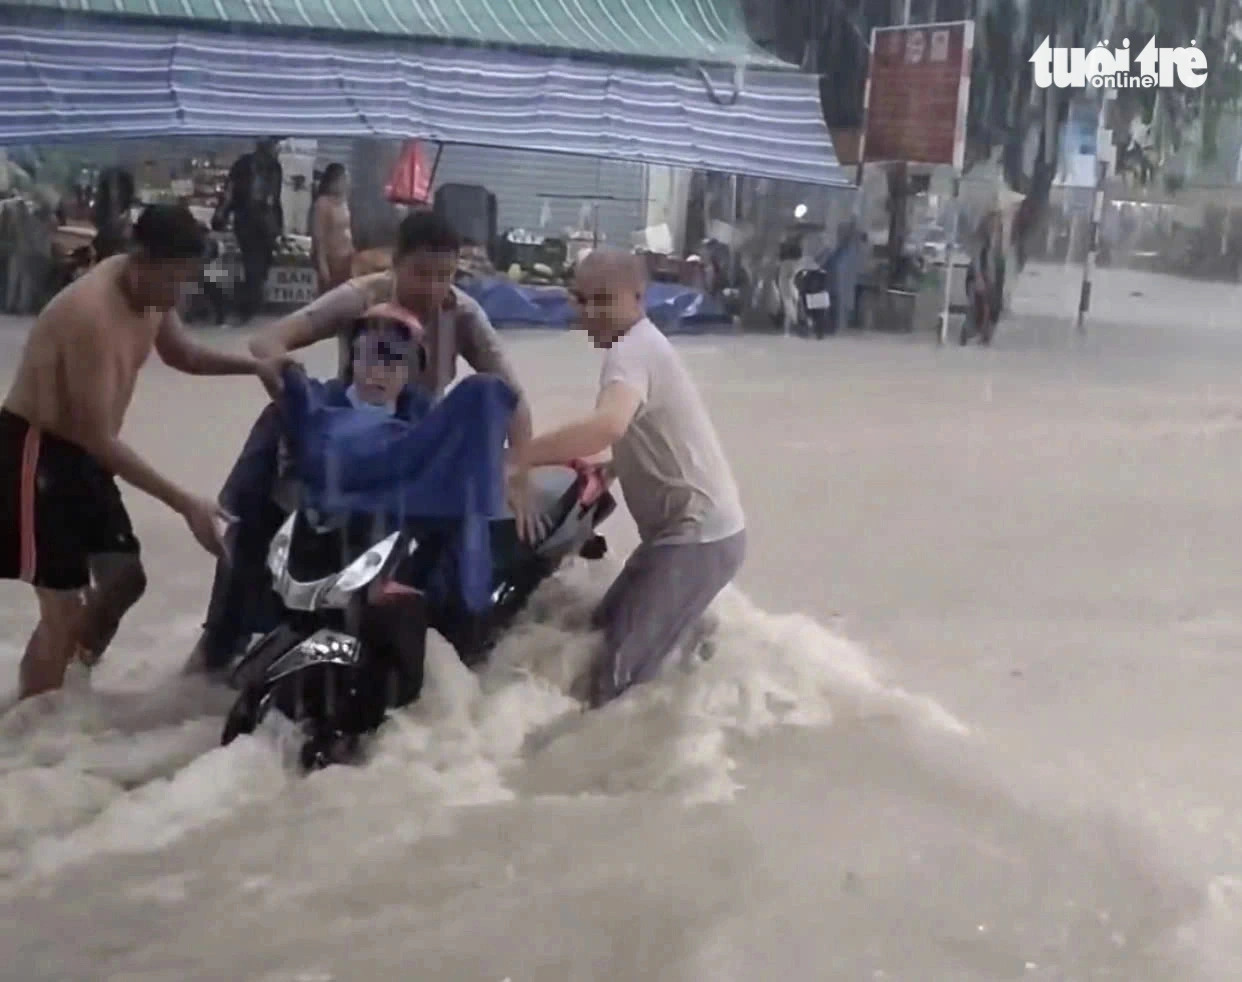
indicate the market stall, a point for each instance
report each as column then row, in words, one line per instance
column 96, row 80
column 290, row 283
column 71, row 251
column 707, row 99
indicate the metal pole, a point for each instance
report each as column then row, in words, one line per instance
column 435, row 170
column 950, row 252
column 735, row 219
column 1097, row 211
column 1103, row 158
column 859, row 199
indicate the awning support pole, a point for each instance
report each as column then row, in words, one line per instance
column 435, row 169
column 949, row 255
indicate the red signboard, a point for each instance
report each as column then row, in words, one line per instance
column 918, row 92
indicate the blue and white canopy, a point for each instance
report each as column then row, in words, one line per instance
column 712, row 32
column 93, row 79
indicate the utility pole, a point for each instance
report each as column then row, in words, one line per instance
column 1105, row 155
column 898, row 196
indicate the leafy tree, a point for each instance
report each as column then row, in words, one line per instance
column 1009, row 117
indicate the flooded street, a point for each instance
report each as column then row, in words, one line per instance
column 973, row 714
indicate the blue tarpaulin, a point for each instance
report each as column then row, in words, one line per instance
column 674, row 309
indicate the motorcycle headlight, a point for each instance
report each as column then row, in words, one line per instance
column 359, row 573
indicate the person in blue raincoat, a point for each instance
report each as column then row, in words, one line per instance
column 259, row 494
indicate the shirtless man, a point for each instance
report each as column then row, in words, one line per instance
column 674, row 475
column 63, row 525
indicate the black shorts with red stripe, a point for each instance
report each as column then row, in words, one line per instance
column 58, row 508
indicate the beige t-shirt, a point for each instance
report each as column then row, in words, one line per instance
column 462, row 329
column 673, row 471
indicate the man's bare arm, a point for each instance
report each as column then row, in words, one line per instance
column 480, row 344
column 91, row 390
column 180, row 351
column 589, row 437
column 315, row 322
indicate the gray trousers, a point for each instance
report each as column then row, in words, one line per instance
column 661, row 594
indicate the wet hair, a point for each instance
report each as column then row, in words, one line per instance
column 170, row 233
column 425, row 231
column 331, row 174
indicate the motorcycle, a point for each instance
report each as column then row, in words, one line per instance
column 797, row 293
column 814, row 303
column 351, row 641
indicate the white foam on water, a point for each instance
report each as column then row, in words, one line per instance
column 85, row 773
column 1215, row 936
column 157, row 814
column 518, row 728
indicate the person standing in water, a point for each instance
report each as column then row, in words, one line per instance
column 332, row 240
column 252, row 199
column 64, row 528
column 673, row 471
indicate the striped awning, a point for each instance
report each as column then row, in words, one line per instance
column 103, row 83
column 709, row 31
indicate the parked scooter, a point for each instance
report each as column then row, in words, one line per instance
column 802, row 282
column 814, row 302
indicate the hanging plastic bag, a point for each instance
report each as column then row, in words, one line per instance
column 410, row 183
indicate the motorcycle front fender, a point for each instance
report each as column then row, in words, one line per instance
column 324, row 647
column 254, row 665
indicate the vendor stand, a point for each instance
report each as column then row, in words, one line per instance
column 292, row 281
column 72, row 252
column 725, row 106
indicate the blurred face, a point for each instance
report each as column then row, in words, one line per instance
column 423, row 281
column 158, row 283
column 338, row 185
column 381, row 368
column 607, row 305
